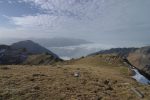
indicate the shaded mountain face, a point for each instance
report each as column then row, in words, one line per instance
column 19, row 52
column 141, row 59
column 31, row 47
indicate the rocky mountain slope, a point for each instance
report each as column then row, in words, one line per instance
column 138, row 57
column 19, row 52
column 141, row 59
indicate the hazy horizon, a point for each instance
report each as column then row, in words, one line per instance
column 76, row 47
column 114, row 44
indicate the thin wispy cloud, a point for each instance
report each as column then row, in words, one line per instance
column 89, row 19
column 42, row 20
column 68, row 11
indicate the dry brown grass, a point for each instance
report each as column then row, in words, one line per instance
column 97, row 82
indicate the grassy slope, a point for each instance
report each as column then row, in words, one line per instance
column 98, row 80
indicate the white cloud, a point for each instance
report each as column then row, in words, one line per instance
column 63, row 13
column 10, row 2
column 86, row 18
column 41, row 20
column 45, row 23
column 70, row 8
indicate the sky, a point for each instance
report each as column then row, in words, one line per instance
column 120, row 21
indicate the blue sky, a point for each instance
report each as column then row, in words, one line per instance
column 94, row 20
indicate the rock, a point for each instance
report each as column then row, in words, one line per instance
column 76, row 74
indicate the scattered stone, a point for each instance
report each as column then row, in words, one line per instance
column 76, row 74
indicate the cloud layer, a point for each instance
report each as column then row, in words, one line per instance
column 75, row 12
column 88, row 19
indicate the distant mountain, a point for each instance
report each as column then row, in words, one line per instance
column 19, row 52
column 48, row 42
column 31, row 47
column 60, row 42
column 119, row 51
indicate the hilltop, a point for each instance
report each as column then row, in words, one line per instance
column 20, row 52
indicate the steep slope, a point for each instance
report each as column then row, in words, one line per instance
column 19, row 52
column 31, row 47
column 141, row 59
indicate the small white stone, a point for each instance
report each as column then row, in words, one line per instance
column 76, row 74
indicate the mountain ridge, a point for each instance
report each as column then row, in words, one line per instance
column 138, row 57
column 18, row 52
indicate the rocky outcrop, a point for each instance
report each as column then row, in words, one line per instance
column 141, row 59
